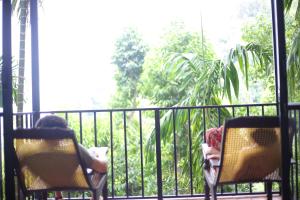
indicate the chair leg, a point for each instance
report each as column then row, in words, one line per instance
column 214, row 192
column 269, row 190
column 96, row 195
column 206, row 189
column 41, row 195
column 105, row 191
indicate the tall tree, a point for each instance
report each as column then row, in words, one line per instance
column 208, row 81
column 14, row 79
column 260, row 34
column 22, row 7
column 197, row 76
column 158, row 85
column 129, row 54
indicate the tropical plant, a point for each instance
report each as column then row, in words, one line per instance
column 14, row 82
column 293, row 62
column 129, row 56
column 22, row 9
column 191, row 75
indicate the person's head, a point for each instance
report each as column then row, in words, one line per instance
column 264, row 136
column 51, row 121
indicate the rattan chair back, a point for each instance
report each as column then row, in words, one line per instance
column 250, row 150
column 48, row 159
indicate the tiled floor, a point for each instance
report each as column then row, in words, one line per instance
column 256, row 197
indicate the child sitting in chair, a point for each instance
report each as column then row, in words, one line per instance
column 213, row 138
column 90, row 158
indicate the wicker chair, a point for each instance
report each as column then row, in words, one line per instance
column 48, row 160
column 250, row 152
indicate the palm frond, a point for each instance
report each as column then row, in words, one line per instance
column 293, row 66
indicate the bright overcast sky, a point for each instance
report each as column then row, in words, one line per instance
column 77, row 41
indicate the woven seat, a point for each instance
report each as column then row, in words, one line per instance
column 250, row 152
column 48, row 160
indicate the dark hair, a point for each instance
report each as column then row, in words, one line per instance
column 51, row 121
column 264, row 136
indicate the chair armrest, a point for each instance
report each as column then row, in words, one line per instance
column 210, row 152
column 209, row 162
column 214, row 162
column 99, row 153
column 204, row 150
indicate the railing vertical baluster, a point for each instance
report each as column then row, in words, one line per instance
column 175, row 151
column 235, row 185
column 95, row 129
column 22, row 121
column 248, row 112
column 126, row 159
column 263, row 110
column 26, row 121
column 80, row 126
column 80, row 132
column 219, row 117
column 292, row 115
column 141, row 151
column 112, row 155
column 219, row 122
column 250, row 187
column 1, row 157
column 291, row 169
column 235, row 189
column 158, row 155
column 17, row 124
column 31, row 120
column 190, row 151
column 19, row 120
column 204, row 124
column 206, row 187
column 67, row 119
column 296, row 153
column 66, row 116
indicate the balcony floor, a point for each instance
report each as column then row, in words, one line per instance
column 245, row 197
column 248, row 197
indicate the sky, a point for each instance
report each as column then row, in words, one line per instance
column 76, row 42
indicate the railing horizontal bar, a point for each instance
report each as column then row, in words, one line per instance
column 155, row 108
column 293, row 106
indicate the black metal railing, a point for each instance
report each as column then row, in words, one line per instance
column 294, row 113
column 154, row 152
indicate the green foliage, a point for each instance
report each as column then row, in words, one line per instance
column 294, row 68
column 194, row 76
column 259, row 32
column 288, row 5
column 129, row 58
column 14, row 82
column 159, row 82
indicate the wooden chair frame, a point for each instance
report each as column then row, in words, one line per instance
column 57, row 133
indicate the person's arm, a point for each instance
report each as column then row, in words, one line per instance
column 92, row 159
column 99, row 165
